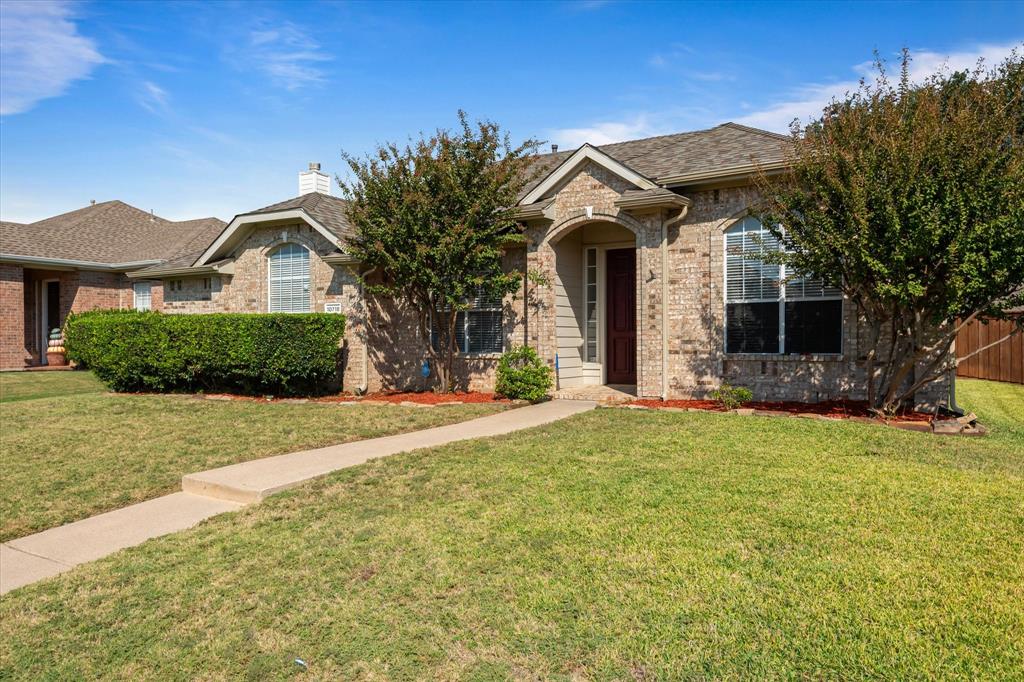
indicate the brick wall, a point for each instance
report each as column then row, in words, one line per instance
column 383, row 348
column 13, row 353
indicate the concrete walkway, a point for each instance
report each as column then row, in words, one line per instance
column 208, row 493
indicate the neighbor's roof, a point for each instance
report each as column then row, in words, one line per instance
column 326, row 209
column 111, row 232
column 698, row 154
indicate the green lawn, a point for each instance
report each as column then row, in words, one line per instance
column 618, row 544
column 65, row 458
column 32, row 385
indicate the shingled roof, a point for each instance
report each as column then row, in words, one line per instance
column 326, row 209
column 700, row 153
column 111, row 232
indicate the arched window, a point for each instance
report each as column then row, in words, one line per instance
column 289, row 279
column 769, row 310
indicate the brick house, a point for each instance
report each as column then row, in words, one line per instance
column 645, row 280
column 77, row 261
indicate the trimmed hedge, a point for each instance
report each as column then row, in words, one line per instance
column 280, row 354
column 522, row 375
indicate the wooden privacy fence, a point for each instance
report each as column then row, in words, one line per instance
column 1002, row 362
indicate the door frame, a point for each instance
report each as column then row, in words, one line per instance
column 43, row 312
column 603, row 307
column 602, row 329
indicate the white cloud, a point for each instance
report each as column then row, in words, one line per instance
column 287, row 54
column 41, row 53
column 153, row 98
column 605, row 132
column 809, row 100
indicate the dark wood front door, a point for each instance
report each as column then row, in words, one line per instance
column 620, row 275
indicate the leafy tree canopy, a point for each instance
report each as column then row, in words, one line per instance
column 910, row 197
column 432, row 221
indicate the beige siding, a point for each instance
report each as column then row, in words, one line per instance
column 568, row 310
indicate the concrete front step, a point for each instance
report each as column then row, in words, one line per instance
column 253, row 481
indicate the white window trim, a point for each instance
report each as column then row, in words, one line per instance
column 309, row 278
column 135, row 295
column 782, row 298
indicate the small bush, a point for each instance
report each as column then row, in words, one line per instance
column 522, row 375
column 731, row 397
column 280, row 354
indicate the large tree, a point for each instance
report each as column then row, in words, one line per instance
column 910, row 197
column 432, row 220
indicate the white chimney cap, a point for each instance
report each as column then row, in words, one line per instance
column 314, row 180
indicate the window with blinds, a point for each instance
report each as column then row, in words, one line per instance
column 765, row 313
column 143, row 295
column 478, row 329
column 289, row 279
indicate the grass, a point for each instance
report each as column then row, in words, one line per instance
column 615, row 545
column 73, row 454
column 33, row 385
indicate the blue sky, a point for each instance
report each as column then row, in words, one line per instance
column 197, row 109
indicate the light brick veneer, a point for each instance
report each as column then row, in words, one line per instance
column 384, row 350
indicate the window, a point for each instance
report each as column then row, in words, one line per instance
column 175, row 285
column 289, row 279
column 590, row 284
column 766, row 314
column 143, row 295
column 479, row 329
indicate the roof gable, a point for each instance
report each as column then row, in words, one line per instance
column 679, row 158
column 322, row 212
column 572, row 165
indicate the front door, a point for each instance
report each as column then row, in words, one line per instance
column 621, row 308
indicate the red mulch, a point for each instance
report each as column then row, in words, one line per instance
column 842, row 409
column 429, row 398
column 424, row 398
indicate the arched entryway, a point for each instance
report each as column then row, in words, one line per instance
column 595, row 287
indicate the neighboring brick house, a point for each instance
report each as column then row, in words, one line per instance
column 638, row 279
column 77, row 261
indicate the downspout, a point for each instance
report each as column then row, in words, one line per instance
column 664, row 299
column 365, row 387
column 664, row 309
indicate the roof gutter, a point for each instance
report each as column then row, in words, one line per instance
column 67, row 263
column 739, row 172
column 224, row 268
column 341, row 259
column 667, row 200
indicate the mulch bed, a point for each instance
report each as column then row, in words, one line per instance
column 425, row 398
column 835, row 409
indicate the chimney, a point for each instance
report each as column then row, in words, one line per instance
column 554, row 149
column 314, row 180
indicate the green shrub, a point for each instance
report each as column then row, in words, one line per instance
column 731, row 397
column 280, row 354
column 522, row 375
